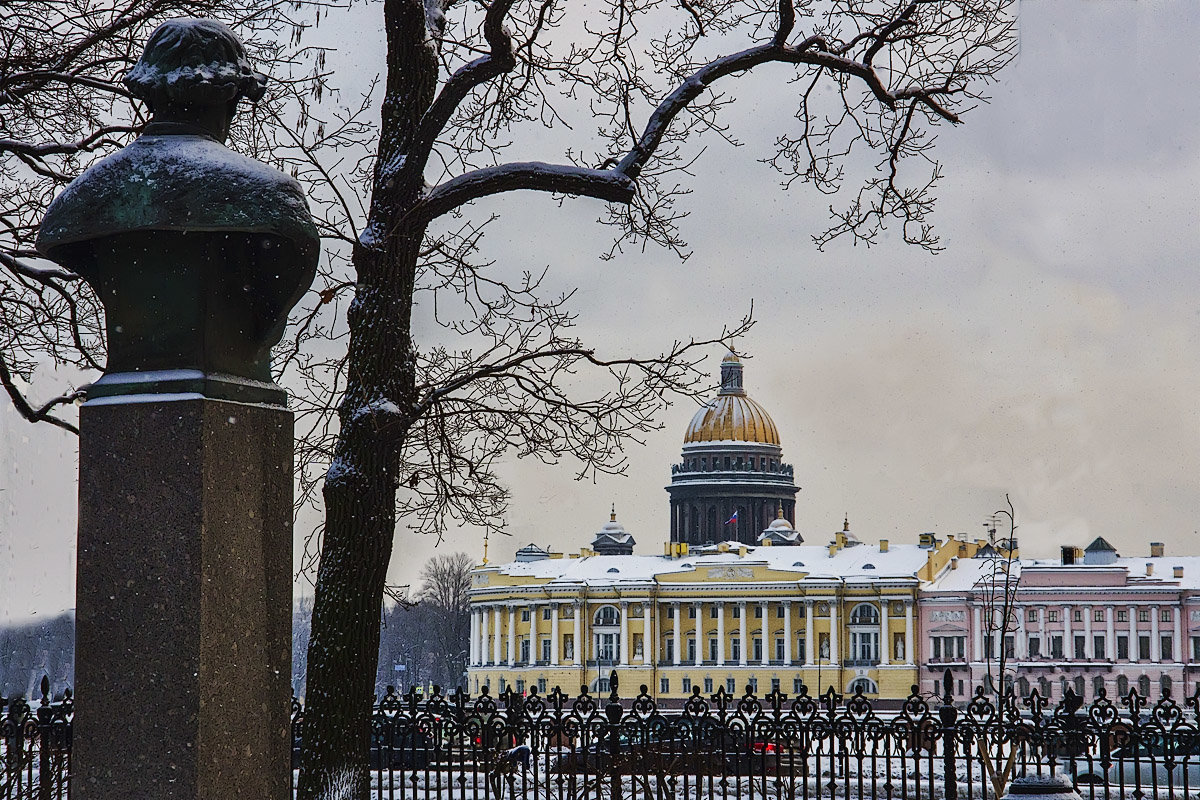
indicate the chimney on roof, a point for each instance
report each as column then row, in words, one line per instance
column 1178, row 572
column 883, row 545
column 1070, row 555
column 954, row 563
column 1156, row 549
column 1149, row 568
column 928, row 540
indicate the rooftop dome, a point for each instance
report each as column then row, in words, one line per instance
column 731, row 415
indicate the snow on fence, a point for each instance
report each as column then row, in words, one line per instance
column 775, row 747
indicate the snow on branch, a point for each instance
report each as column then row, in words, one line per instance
column 602, row 184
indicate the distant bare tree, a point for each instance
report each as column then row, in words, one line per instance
column 445, row 582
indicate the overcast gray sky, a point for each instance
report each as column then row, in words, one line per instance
column 1052, row 351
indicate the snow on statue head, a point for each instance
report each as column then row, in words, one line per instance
column 194, row 71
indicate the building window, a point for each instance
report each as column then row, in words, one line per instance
column 753, row 687
column 801, row 650
column 1122, row 685
column 685, row 685
column 524, row 615
column 1077, row 615
column 524, row 649
column 1122, row 615
column 546, row 649
column 774, row 684
column 1144, row 686
column 1143, row 615
column 708, row 686
column 664, row 685
column 607, row 645
column 1168, row 649
column 737, row 611
column 502, row 686
column 735, row 649
column 1144, row 647
column 520, row 686
column 712, row 611
column 1052, row 615
column 1010, row 647
column 1031, row 615
column 670, row 612
column 758, row 651
column 1122, row 648
column 779, row 643
column 542, row 685
column 730, row 686
column 546, row 613
column 669, row 650
column 691, row 612
column 779, row 611
column 712, row 649
column 1056, row 647
column 864, row 647
column 1166, row 615
column 866, row 685
column 691, row 650
column 758, row 611
column 864, row 614
column 797, row 685
column 1098, row 616
column 948, row 648
column 606, row 616
column 1098, row 649
column 1035, row 647
column 1080, row 648
column 1196, row 648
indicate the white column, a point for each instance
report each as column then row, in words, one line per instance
column 1022, row 638
column 554, row 634
column 720, row 633
column 474, row 638
column 885, row 637
column 809, row 645
column 834, row 653
column 497, row 644
column 1110, row 634
column 677, row 610
column 1068, row 642
column 1155, row 641
column 978, row 615
column 1133, row 634
column 1178, row 635
column 533, row 630
column 742, row 633
column 624, row 655
column 699, row 633
column 766, row 634
column 787, row 633
column 512, row 635
column 1089, row 649
column 580, row 610
column 909, row 655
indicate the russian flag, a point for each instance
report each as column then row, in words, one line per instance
column 732, row 519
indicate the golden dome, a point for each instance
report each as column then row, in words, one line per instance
column 731, row 415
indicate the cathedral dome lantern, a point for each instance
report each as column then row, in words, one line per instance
column 613, row 539
column 732, row 479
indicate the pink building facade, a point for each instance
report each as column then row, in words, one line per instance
column 1091, row 620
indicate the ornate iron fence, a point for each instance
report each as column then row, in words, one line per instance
column 775, row 747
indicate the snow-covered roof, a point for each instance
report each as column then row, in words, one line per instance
column 973, row 572
column 804, row 561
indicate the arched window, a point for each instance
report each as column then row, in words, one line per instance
column 1023, row 686
column 600, row 685
column 1044, row 687
column 866, row 684
column 1164, row 684
column 1098, row 687
column 1122, row 685
column 606, row 616
column 864, row 614
column 1080, row 686
column 1144, row 686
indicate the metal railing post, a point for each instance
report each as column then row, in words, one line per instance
column 613, row 711
column 949, row 716
column 45, row 729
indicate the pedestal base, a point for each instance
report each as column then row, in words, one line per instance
column 183, row 614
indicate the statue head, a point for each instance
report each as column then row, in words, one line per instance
column 192, row 73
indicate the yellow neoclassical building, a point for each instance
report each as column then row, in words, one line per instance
column 736, row 599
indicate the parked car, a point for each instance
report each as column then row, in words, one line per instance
column 1145, row 764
